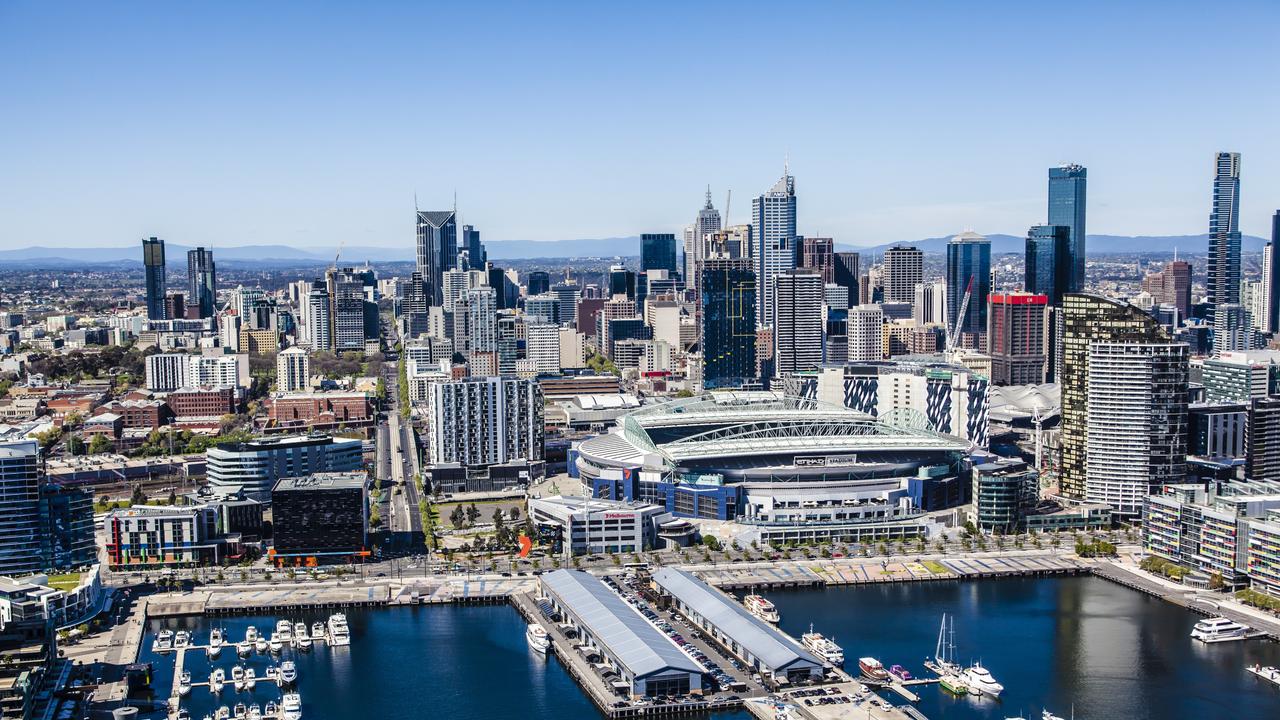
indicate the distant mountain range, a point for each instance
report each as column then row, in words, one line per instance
column 49, row 257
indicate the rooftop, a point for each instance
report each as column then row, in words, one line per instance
column 323, row 481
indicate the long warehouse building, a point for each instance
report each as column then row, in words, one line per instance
column 768, row 650
column 648, row 661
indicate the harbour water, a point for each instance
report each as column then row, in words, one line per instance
column 1059, row 643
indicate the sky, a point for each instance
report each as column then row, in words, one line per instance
column 311, row 123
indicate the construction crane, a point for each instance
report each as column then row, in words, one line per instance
column 953, row 333
column 339, row 253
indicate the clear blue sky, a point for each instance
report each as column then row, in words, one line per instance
column 233, row 123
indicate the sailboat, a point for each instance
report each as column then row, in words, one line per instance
column 944, row 663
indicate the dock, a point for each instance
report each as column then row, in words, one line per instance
column 1189, row 598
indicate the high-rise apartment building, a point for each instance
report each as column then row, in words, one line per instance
column 798, row 321
column 658, row 252
column 903, row 270
column 818, row 254
column 437, row 250
column 968, row 271
column 542, row 347
column 727, row 300
column 1047, row 265
column 202, row 281
column 484, row 421
column 773, row 231
column 472, row 249
column 153, row 266
column 1067, row 194
column 346, row 288
column 1171, row 286
column 1223, row 283
column 543, row 308
column 1272, row 276
column 1018, row 338
column 20, row 507
column 865, row 328
column 319, row 317
column 167, row 371
column 293, row 370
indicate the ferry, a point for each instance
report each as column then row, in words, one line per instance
column 163, row 642
column 339, row 633
column 292, row 706
column 900, row 672
column 184, row 684
column 537, row 637
column 1266, row 672
column 872, row 669
column 980, row 681
column 761, row 608
column 215, row 643
column 250, row 679
column 217, row 679
column 287, row 674
column 828, row 650
column 1218, row 629
column 953, row 684
column 237, row 678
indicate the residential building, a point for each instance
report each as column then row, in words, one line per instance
column 323, row 515
column 319, row 325
column 1241, row 376
column 202, row 282
column 773, row 231
column 968, row 272
column 1224, row 273
column 903, row 270
column 798, row 321
column 865, row 328
column 218, row 371
column 542, row 346
column 20, row 551
column 484, row 421
column 153, row 266
column 1271, row 275
column 1018, row 338
column 149, row 536
column 544, row 307
column 256, row 465
column 573, row 349
column 167, row 371
column 293, row 370
column 1067, row 204
column 1262, row 439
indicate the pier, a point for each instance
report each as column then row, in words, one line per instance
column 1185, row 597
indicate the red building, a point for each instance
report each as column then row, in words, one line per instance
column 319, row 411
column 1018, row 336
column 819, row 254
column 149, row 414
column 202, row 402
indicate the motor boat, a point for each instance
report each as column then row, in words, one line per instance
column 980, row 681
column 163, row 642
column 251, row 633
column 953, row 684
column 261, row 644
column 215, row 643
column 184, row 684
column 237, row 678
column 1218, row 629
column 270, row 710
column 301, row 639
column 872, row 669
column 536, row 635
column 243, row 648
column 217, row 679
column 181, row 640
column 222, row 713
column 339, row 633
column 761, row 608
column 827, row 649
column 240, row 711
column 284, row 629
column 291, row 704
column 900, row 672
column 287, row 674
column 255, row 712
column 250, row 679
column 276, row 644
column 317, row 630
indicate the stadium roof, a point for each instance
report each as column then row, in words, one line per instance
column 776, row 650
column 633, row 642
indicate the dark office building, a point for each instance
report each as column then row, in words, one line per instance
column 472, row 249
column 175, row 306
column 437, row 250
column 622, row 282
column 66, row 528
column 324, row 515
column 202, row 281
column 728, row 301
column 658, row 252
column 153, row 264
column 538, row 283
column 1262, row 439
column 1273, row 254
column 847, row 273
column 1067, row 198
column 1048, row 262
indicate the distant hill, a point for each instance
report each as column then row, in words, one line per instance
column 1096, row 245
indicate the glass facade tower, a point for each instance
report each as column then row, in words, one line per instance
column 1067, row 185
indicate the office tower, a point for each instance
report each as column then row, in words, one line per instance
column 454, row 284
column 20, row 507
column 415, row 308
column 1171, row 286
column 437, row 250
column 508, row 292
column 930, row 303
column 472, row 249
column 819, row 254
column 568, row 294
column 658, row 252
column 1262, row 439
column 707, row 222
column 1067, row 185
column 1273, row 276
column 1231, row 330
column 1089, row 320
column 1047, row 265
column 573, row 348
column 293, row 370
column 846, row 274
column 1224, row 233
column 510, row 329
column 346, row 289
column 482, row 422
column 727, row 299
column 622, row 282
column 542, row 347
column 542, row 308
column 798, row 321
column 319, row 325
column 324, row 514
column 255, row 465
column 539, row 282
column 1018, row 338
column 865, row 328
column 615, row 308
column 903, row 270
column 175, row 306
column 153, row 265
column 835, row 297
column 773, row 232
column 968, row 271
column 202, row 281
column 1136, row 422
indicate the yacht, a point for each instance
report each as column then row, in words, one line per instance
column 1266, row 672
column 250, row 678
column 251, row 634
column 237, row 677
column 826, row 649
column 217, row 679
column 284, row 629
column 980, row 681
column 872, row 669
column 900, row 672
column 240, row 712
column 287, row 674
column 300, row 634
column 317, row 631
column 255, row 712
column 244, row 647
column 223, row 713
column 537, row 637
column 163, row 642
column 1218, row 629
column 215, row 643
column 181, row 639
column 339, row 633
column 944, row 660
column 270, row 710
column 261, row 644
column 303, row 641
column 276, row 643
column 761, row 608
column 184, row 684
column 291, row 704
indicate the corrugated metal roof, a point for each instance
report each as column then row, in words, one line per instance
column 775, row 649
column 639, row 646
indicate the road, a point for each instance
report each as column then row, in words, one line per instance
column 396, row 458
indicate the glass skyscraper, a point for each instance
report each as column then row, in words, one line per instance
column 153, row 264
column 658, row 252
column 471, row 245
column 968, row 268
column 728, row 302
column 773, row 230
column 202, row 281
column 437, row 250
column 1067, row 186
column 1047, row 267
column 1224, row 232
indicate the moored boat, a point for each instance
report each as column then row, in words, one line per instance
column 217, row 679
column 761, row 608
column 276, row 643
column 291, row 704
column 824, row 648
column 215, row 643
column 317, row 631
column 237, row 678
column 537, row 637
column 1218, row 629
column 287, row 674
column 953, row 684
column 339, row 633
column 980, row 681
column 899, row 672
column 872, row 669
column 250, row 679
column 163, row 642
column 184, row 684
column 181, row 639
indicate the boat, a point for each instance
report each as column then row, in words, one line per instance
column 251, row 633
column 761, row 608
column 828, row 650
column 302, row 641
column 284, row 629
column 217, row 679
column 250, row 679
column 181, row 639
column 223, row 713
column 872, row 669
column 270, row 709
column 163, row 642
column 276, row 644
column 339, row 633
column 537, row 637
column 255, row 712
column 261, row 644
column 240, row 711
column 215, row 643
column 287, row 674
column 1266, row 672
column 317, row 630
column 1218, row 629
column 944, row 653
column 183, row 714
column 184, row 684
column 237, row 677
column 291, row 704
column 900, row 672
column 980, row 681
column 1046, row 715
column 243, row 648
column 953, row 684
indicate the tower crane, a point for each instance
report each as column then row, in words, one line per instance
column 953, row 334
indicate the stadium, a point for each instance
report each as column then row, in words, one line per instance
column 795, row 468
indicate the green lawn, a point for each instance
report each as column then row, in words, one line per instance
column 68, row 581
column 935, row 567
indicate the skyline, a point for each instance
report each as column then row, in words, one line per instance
column 314, row 125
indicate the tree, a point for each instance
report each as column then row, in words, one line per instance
column 711, row 542
column 457, row 517
column 375, row 516
column 473, row 513
column 100, row 444
column 75, row 446
column 138, row 497
column 515, row 514
column 173, row 497
column 497, row 519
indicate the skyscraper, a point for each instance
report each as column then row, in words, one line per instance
column 437, row 250
column 968, row 270
column 472, row 249
column 1047, row 265
column 865, row 328
column 538, row 282
column 773, row 230
column 319, row 317
column 1223, row 283
column 202, row 281
column 728, row 303
column 1171, row 286
column 798, row 321
column 819, row 254
column 153, row 264
column 658, row 252
column 707, row 222
column 1018, row 338
column 903, row 270
column 846, row 274
column 1273, row 277
column 1067, row 185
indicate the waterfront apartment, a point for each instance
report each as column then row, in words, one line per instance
column 254, row 466
column 149, row 536
column 323, row 515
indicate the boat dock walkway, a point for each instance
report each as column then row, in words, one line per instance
column 1203, row 602
column 839, row 701
column 266, row 599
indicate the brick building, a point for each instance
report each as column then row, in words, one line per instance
column 319, row 411
column 202, row 402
